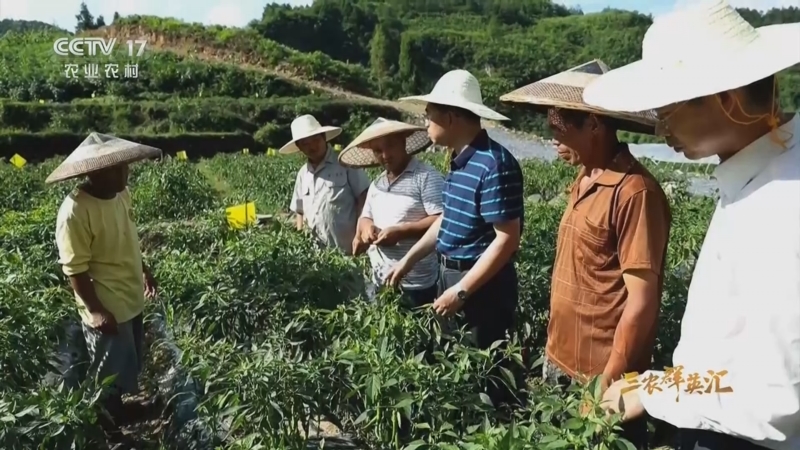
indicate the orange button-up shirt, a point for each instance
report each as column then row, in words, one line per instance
column 620, row 222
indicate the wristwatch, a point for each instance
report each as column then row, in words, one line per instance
column 460, row 292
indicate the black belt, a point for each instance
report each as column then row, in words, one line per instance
column 462, row 265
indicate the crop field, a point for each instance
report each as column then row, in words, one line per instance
column 271, row 330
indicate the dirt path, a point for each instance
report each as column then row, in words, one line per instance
column 214, row 54
column 218, row 55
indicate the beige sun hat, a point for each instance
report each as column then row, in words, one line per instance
column 700, row 50
column 98, row 152
column 565, row 90
column 307, row 126
column 457, row 88
column 357, row 155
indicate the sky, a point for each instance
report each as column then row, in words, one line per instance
column 240, row 12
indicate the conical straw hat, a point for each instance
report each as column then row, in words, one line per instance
column 565, row 90
column 356, row 155
column 98, row 152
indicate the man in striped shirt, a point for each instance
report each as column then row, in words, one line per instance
column 479, row 231
column 402, row 203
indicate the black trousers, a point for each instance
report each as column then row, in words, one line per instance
column 490, row 313
column 709, row 440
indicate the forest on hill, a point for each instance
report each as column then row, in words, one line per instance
column 234, row 87
column 409, row 44
column 7, row 25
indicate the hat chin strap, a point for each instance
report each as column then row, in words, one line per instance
column 772, row 118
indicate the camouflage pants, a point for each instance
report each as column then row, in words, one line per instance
column 553, row 375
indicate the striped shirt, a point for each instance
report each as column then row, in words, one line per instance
column 484, row 187
column 414, row 195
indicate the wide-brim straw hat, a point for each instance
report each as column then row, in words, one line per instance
column 98, row 152
column 307, row 126
column 457, row 88
column 565, row 90
column 701, row 50
column 356, row 154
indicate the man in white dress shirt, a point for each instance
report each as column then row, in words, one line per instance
column 713, row 86
column 327, row 198
column 402, row 203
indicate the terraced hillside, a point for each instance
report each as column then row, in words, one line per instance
column 187, row 96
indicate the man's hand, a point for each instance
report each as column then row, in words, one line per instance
column 368, row 234
column 448, row 303
column 359, row 246
column 396, row 273
column 624, row 398
column 150, row 285
column 104, row 322
column 388, row 236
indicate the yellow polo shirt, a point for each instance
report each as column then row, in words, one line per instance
column 99, row 237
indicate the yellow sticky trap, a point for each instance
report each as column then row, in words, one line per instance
column 181, row 155
column 245, row 151
column 18, row 161
column 272, row 152
column 240, row 216
column 337, row 147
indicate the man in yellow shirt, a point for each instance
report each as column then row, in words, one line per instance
column 99, row 251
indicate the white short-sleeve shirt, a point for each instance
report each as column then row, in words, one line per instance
column 414, row 195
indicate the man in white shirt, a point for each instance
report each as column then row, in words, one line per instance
column 402, row 203
column 736, row 380
column 327, row 198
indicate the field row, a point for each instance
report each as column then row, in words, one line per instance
column 207, row 115
column 268, row 327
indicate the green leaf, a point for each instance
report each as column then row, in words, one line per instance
column 364, row 415
column 404, row 403
column 27, row 411
column 561, row 443
column 509, row 377
column 623, row 444
column 574, row 424
column 485, row 399
column 415, row 445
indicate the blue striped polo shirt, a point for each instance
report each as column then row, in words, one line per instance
column 484, row 187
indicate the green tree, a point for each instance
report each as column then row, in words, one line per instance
column 379, row 53
column 495, row 28
column 85, row 19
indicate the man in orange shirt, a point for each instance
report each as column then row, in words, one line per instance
column 612, row 243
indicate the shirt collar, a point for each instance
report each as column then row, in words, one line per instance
column 330, row 158
column 460, row 160
column 411, row 167
column 616, row 170
column 735, row 173
column 619, row 167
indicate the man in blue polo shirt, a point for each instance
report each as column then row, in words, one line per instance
column 479, row 232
